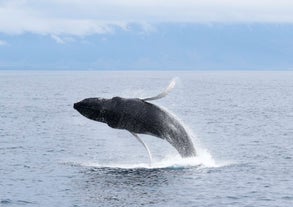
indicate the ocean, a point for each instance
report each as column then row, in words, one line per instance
column 241, row 124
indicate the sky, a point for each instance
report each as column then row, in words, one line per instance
column 146, row 34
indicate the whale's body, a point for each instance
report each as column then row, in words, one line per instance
column 138, row 117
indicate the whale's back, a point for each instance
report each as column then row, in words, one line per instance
column 141, row 117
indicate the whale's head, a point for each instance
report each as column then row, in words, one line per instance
column 92, row 108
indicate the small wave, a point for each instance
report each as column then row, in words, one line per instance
column 6, row 201
column 21, row 202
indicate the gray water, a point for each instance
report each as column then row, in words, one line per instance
column 241, row 124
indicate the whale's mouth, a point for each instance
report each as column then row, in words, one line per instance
column 90, row 111
column 80, row 105
column 76, row 105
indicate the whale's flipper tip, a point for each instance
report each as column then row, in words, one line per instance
column 144, row 145
column 164, row 93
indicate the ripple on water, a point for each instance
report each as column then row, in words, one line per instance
column 16, row 202
column 6, row 201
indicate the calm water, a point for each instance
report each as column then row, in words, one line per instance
column 241, row 122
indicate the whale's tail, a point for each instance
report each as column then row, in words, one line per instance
column 164, row 93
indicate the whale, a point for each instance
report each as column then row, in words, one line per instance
column 139, row 116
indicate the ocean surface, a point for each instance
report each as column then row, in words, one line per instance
column 241, row 124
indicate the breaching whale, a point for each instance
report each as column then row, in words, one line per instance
column 138, row 116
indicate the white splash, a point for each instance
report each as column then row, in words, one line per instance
column 203, row 160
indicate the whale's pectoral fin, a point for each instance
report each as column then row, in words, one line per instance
column 164, row 93
column 145, row 146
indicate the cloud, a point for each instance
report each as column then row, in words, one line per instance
column 17, row 18
column 85, row 17
column 2, row 43
column 58, row 39
column 62, row 40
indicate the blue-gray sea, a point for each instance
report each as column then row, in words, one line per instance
column 241, row 124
